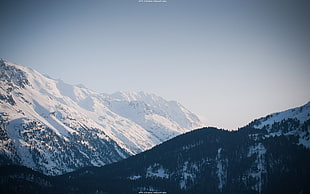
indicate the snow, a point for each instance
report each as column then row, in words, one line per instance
column 157, row 170
column 304, row 140
column 182, row 184
column 221, row 170
column 66, row 90
column 187, row 174
column 157, row 105
column 258, row 172
column 258, row 149
column 150, row 190
column 300, row 113
column 134, row 177
column 20, row 145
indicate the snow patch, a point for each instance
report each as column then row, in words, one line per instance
column 305, row 141
column 258, row 171
column 188, row 174
column 134, row 177
column 221, row 169
column 157, row 171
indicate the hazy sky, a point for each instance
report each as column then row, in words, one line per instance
column 229, row 61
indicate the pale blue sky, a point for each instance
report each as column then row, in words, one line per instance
column 228, row 61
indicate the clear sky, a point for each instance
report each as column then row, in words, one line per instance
column 229, row 61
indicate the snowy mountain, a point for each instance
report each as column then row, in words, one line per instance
column 270, row 155
column 54, row 127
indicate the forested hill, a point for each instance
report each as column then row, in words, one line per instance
column 206, row 160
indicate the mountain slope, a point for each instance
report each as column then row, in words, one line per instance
column 293, row 122
column 54, row 127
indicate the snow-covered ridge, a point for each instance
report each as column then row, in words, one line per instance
column 126, row 122
column 301, row 113
column 292, row 122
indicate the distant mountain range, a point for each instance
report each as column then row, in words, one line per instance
column 54, row 128
column 270, row 155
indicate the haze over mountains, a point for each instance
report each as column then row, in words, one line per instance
column 54, row 127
